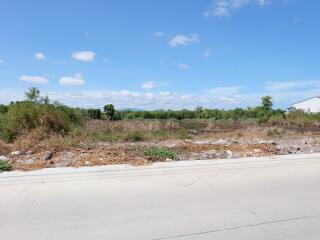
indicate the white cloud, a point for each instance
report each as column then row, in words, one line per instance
column 86, row 56
column 33, row 79
column 183, row 40
column 128, row 99
column 207, row 53
column 220, row 11
column 40, row 56
column 225, row 91
column 126, row 93
column 151, row 100
column 149, row 85
column 222, row 8
column 72, row 81
column 225, row 97
column 164, row 94
column 289, row 85
column 263, row 2
column 183, row 66
column 159, row 34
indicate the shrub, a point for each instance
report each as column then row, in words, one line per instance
column 274, row 132
column 301, row 119
column 183, row 134
column 161, row 153
column 4, row 166
column 26, row 115
column 3, row 109
column 277, row 120
column 94, row 113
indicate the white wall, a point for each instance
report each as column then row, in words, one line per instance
column 311, row 105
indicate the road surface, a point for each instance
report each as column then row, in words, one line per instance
column 254, row 198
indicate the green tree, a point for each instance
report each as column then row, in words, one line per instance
column 33, row 95
column 267, row 102
column 94, row 113
column 109, row 111
column 3, row 109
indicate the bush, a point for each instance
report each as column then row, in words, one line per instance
column 161, row 153
column 301, row 119
column 4, row 166
column 3, row 109
column 274, row 132
column 277, row 120
column 26, row 115
column 183, row 134
column 94, row 113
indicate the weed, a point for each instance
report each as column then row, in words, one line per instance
column 4, row 166
column 134, row 137
column 183, row 134
column 161, row 153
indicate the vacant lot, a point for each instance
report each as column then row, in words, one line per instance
column 140, row 142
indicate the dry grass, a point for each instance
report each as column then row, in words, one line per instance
column 130, row 126
column 4, row 148
column 104, row 142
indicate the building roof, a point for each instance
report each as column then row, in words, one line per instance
column 304, row 101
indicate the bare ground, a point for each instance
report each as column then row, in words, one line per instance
column 35, row 151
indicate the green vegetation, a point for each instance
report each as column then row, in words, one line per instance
column 109, row 111
column 262, row 113
column 3, row 109
column 93, row 113
column 4, row 166
column 161, row 153
column 134, row 137
column 37, row 112
column 267, row 102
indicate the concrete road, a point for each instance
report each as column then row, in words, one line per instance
column 257, row 198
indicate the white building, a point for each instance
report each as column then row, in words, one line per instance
column 311, row 105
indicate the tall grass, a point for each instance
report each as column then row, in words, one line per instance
column 130, row 126
column 132, row 130
column 27, row 115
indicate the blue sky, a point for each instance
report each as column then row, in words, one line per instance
column 161, row 54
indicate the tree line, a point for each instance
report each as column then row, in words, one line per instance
column 262, row 112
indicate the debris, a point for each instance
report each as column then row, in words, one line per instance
column 16, row 153
column 4, row 158
column 237, row 155
column 257, row 150
column 229, row 153
column 48, row 155
column 204, row 145
column 221, row 142
column 192, row 131
column 29, row 152
column 202, row 142
column 28, row 161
